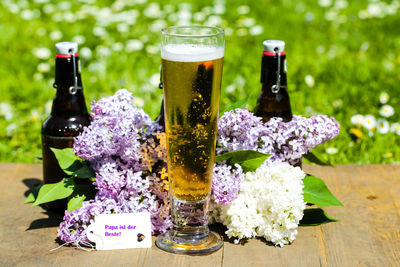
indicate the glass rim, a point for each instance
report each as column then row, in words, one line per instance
column 164, row 31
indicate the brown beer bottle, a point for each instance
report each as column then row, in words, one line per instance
column 273, row 100
column 68, row 115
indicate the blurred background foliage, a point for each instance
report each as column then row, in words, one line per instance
column 343, row 60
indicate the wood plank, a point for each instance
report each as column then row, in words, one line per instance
column 356, row 239
column 369, row 233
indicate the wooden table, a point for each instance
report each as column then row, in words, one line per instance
column 368, row 235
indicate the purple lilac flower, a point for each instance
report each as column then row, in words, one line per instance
column 226, row 182
column 239, row 130
column 285, row 141
column 121, row 148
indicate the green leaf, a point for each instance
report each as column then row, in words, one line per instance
column 51, row 192
column 81, row 193
column 316, row 217
column 250, row 160
column 84, row 172
column 238, row 104
column 67, row 160
column 32, row 196
column 316, row 192
column 75, row 201
column 311, row 157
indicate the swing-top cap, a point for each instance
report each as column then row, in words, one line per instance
column 274, row 46
column 65, row 48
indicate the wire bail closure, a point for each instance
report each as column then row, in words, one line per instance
column 73, row 89
column 276, row 87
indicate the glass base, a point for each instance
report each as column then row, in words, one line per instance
column 171, row 242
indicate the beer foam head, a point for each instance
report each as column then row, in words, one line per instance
column 191, row 53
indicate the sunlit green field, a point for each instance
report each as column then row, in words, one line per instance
column 343, row 60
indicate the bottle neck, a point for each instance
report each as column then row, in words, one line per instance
column 269, row 70
column 68, row 102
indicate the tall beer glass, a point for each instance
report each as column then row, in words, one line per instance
column 192, row 59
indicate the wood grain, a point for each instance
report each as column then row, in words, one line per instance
column 367, row 235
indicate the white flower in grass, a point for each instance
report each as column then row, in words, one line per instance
column 369, row 122
column 11, row 129
column 42, row 53
column 214, row 20
column 382, row 126
column 117, row 47
column 56, row 35
column 43, row 67
column 153, row 11
column 243, row 10
column 256, row 30
column 123, row 27
column 199, row 16
column 269, row 204
column 80, row 39
column 155, row 79
column 27, row 14
column 395, row 128
column 133, row 45
column 99, row 31
column 331, row 150
column 6, row 110
column 357, row 119
column 386, row 111
column 85, row 52
column 309, row 79
column 219, row 9
column 325, row 3
column 384, row 98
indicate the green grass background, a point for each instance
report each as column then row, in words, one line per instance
column 350, row 48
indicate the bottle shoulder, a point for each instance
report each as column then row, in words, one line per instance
column 65, row 126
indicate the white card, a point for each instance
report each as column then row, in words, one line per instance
column 119, row 231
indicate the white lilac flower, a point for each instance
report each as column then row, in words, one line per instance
column 43, row 67
column 256, row 30
column 386, row 111
column 269, row 204
column 331, row 150
column 395, row 128
column 382, row 126
column 357, row 120
column 309, row 79
column 369, row 122
column 42, row 53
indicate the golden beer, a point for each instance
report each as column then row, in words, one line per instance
column 191, row 92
